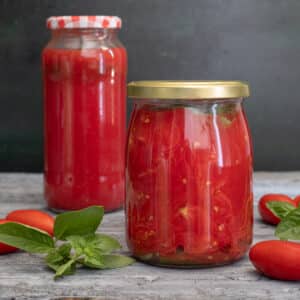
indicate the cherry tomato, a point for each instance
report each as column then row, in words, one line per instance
column 34, row 218
column 297, row 200
column 4, row 249
column 283, row 263
column 264, row 211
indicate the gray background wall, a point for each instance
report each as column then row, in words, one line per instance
column 253, row 40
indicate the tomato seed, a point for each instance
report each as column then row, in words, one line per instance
column 216, row 208
column 221, row 227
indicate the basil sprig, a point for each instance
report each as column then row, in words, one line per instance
column 289, row 226
column 75, row 242
column 280, row 209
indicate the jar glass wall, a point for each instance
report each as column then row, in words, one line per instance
column 84, row 71
column 189, row 181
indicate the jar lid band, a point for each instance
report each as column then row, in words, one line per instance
column 188, row 89
column 69, row 22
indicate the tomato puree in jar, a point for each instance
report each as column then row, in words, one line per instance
column 85, row 117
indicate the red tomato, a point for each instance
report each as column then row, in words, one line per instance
column 4, row 249
column 283, row 264
column 264, row 211
column 34, row 218
column 297, row 200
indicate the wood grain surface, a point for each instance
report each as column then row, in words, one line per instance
column 23, row 276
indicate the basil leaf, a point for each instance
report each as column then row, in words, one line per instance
column 67, row 268
column 103, row 261
column 59, row 256
column 26, row 238
column 64, row 250
column 116, row 261
column 289, row 227
column 79, row 222
column 78, row 243
column 93, row 260
column 280, row 209
column 53, row 265
column 54, row 260
column 103, row 242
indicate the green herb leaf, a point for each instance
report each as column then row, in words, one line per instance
column 26, row 238
column 65, row 250
column 58, row 256
column 103, row 242
column 280, row 209
column 54, row 260
column 78, row 243
column 289, row 227
column 81, row 222
column 93, row 259
column 106, row 261
column 68, row 268
column 116, row 261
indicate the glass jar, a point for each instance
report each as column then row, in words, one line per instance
column 84, row 71
column 189, row 173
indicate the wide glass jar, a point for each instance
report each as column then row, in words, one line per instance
column 189, row 173
column 84, row 71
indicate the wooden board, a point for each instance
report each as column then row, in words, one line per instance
column 23, row 276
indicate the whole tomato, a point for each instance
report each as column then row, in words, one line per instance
column 266, row 213
column 4, row 249
column 33, row 218
column 277, row 259
column 297, row 200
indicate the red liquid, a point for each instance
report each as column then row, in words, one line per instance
column 85, row 111
column 189, row 185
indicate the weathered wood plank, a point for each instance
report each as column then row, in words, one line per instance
column 23, row 276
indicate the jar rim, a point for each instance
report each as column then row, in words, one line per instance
column 77, row 22
column 181, row 89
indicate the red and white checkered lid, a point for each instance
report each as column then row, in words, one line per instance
column 61, row 22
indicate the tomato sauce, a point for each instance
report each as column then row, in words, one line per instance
column 189, row 183
column 85, row 123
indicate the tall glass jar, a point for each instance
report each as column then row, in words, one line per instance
column 189, row 173
column 84, row 72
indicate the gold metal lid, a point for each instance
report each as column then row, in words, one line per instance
column 165, row 89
